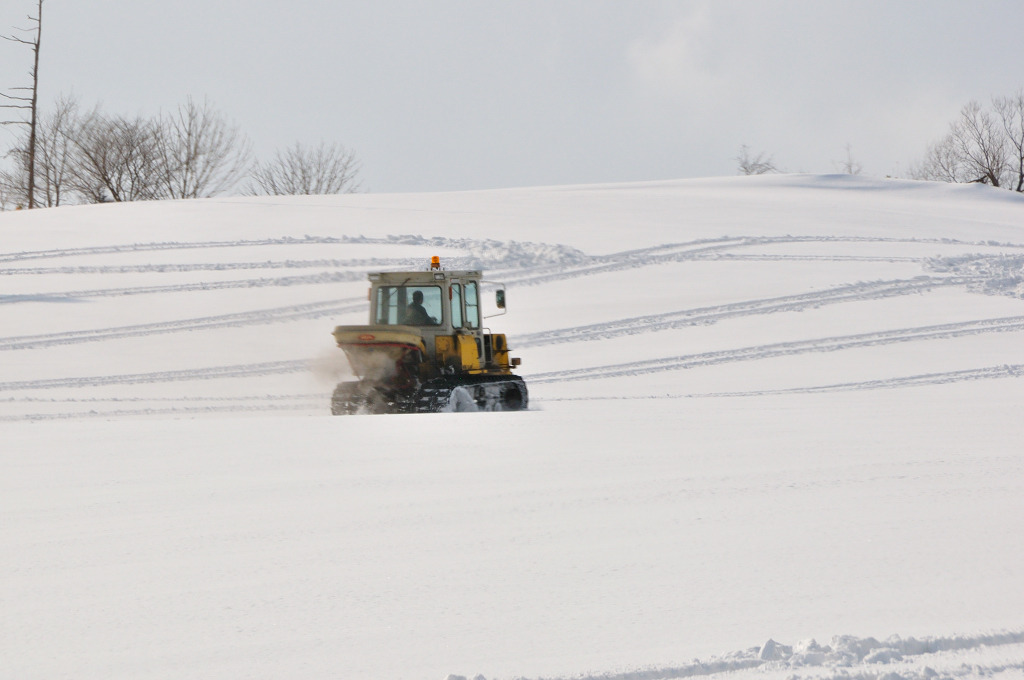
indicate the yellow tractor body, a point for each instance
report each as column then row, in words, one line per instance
column 426, row 349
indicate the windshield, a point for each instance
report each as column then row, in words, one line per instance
column 408, row 305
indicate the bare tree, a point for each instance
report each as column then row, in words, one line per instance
column 980, row 143
column 54, row 146
column 941, row 163
column 849, row 165
column 754, row 165
column 10, row 186
column 117, row 159
column 982, row 146
column 327, row 169
column 201, row 154
column 1010, row 111
column 28, row 103
column 14, row 180
column 5, row 194
column 99, row 157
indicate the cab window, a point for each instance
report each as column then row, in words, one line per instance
column 456, row 296
column 472, row 305
column 408, row 305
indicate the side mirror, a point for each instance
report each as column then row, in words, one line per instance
column 499, row 299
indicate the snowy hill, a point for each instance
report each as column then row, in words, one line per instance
column 776, row 408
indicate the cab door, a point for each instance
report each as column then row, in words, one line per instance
column 455, row 296
column 465, row 316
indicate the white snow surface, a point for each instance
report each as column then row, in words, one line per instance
column 775, row 432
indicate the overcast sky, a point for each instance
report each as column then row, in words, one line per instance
column 481, row 93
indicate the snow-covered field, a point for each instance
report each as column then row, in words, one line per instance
column 775, row 432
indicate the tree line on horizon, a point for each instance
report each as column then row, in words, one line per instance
column 192, row 152
column 984, row 145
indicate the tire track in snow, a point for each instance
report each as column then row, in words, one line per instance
column 732, row 257
column 524, row 276
column 554, row 258
column 602, row 264
column 165, row 245
column 939, row 378
column 511, row 253
column 208, row 373
column 162, row 411
column 634, row 325
column 312, row 310
column 120, row 400
column 637, row 257
column 116, row 407
column 364, row 265
column 758, row 352
column 282, row 281
column 714, row 249
column 591, row 265
column 855, row 292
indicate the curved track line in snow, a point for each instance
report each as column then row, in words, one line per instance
column 206, row 267
column 208, row 373
column 602, row 264
column 940, row 378
column 162, row 245
column 498, row 253
column 832, row 344
column 71, row 296
column 347, row 275
column 860, row 291
column 164, row 411
column 704, row 315
column 259, row 316
column 119, row 400
column 705, row 249
column 813, row 258
column 102, row 407
column 509, row 252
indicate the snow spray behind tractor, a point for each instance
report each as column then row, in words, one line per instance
column 426, row 349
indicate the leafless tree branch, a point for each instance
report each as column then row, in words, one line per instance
column 116, row 159
column 983, row 146
column 849, row 165
column 32, row 107
column 326, row 169
column 54, row 148
column 754, row 165
column 1010, row 111
column 201, row 154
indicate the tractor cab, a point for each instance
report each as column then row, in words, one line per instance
column 436, row 303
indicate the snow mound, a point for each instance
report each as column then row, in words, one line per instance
column 999, row 274
column 848, row 657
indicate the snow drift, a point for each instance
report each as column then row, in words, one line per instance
column 774, row 415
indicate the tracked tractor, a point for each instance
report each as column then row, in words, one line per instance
column 426, row 349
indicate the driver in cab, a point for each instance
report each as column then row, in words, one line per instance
column 416, row 314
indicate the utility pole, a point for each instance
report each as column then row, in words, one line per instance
column 29, row 103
